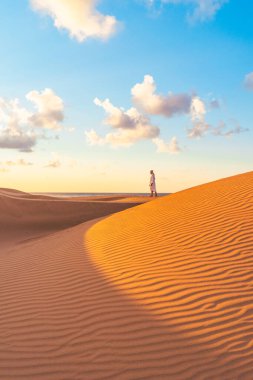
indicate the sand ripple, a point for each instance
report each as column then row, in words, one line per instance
column 159, row 291
column 188, row 261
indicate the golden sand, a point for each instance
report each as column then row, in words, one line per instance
column 186, row 261
column 163, row 290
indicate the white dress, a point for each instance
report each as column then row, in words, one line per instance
column 152, row 184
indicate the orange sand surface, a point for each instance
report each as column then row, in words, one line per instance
column 112, row 198
column 24, row 216
column 163, row 290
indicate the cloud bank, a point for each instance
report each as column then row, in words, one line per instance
column 201, row 127
column 132, row 125
column 13, row 123
column 22, row 141
column 79, row 17
column 49, row 107
column 128, row 126
column 144, row 97
column 20, row 128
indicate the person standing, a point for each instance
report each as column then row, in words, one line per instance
column 152, row 184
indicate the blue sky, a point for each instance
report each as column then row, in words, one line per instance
column 48, row 145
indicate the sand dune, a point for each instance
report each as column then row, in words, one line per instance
column 119, row 198
column 188, row 261
column 25, row 216
column 163, row 290
column 12, row 193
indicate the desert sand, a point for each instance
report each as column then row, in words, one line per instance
column 161, row 290
column 25, row 216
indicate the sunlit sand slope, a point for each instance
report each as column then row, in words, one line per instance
column 186, row 261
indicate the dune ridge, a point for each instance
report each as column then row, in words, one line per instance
column 25, row 215
column 163, row 290
column 188, row 260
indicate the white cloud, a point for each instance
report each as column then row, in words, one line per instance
column 93, row 138
column 201, row 10
column 171, row 147
column 197, row 113
column 145, row 98
column 19, row 125
column 198, row 130
column 79, row 17
column 117, row 117
column 128, row 126
column 49, row 108
column 201, row 127
column 197, row 109
column 13, row 120
column 12, row 113
column 248, row 81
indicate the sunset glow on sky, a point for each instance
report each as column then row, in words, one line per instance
column 94, row 94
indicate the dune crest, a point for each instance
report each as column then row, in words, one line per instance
column 188, row 260
column 25, row 216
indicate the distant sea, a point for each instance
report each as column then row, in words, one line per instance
column 98, row 194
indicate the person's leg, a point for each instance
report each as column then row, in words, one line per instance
column 155, row 194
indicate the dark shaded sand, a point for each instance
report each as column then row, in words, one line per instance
column 25, row 216
column 163, row 290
